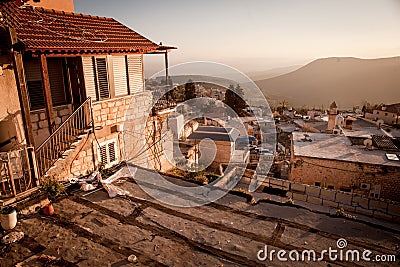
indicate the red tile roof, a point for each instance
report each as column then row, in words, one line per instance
column 42, row 30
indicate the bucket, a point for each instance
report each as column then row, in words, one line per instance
column 8, row 219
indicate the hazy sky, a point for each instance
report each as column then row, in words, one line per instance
column 259, row 35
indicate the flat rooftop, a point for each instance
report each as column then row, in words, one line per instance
column 335, row 147
column 215, row 133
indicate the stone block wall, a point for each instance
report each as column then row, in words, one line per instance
column 40, row 125
column 125, row 120
column 347, row 175
column 381, row 209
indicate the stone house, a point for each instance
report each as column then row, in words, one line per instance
column 223, row 143
column 70, row 83
column 334, row 162
column 389, row 114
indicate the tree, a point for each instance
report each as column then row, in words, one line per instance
column 364, row 110
column 190, row 90
column 283, row 105
column 234, row 98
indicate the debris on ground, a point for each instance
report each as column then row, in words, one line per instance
column 12, row 237
column 112, row 189
column 48, row 260
column 94, row 182
column 132, row 258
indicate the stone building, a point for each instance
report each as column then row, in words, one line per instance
column 73, row 92
column 332, row 161
column 389, row 114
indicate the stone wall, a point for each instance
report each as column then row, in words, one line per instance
column 126, row 121
column 40, row 125
column 10, row 109
column 344, row 175
column 334, row 199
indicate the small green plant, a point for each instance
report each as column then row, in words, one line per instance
column 341, row 213
column 212, row 177
column 244, row 193
column 290, row 201
column 52, row 187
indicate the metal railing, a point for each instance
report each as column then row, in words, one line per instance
column 63, row 137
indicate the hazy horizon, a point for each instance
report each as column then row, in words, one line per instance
column 260, row 35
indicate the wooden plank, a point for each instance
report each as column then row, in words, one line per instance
column 47, row 92
column 10, row 172
column 19, row 73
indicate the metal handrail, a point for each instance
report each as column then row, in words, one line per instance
column 63, row 137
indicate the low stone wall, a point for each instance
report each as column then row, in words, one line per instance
column 381, row 209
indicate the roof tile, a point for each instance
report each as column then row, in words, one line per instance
column 42, row 30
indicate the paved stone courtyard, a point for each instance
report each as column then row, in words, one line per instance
column 95, row 230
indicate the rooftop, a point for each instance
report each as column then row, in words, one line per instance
column 215, row 133
column 393, row 108
column 335, row 147
column 43, row 30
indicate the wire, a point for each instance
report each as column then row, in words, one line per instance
column 97, row 36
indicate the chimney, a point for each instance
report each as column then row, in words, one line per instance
column 60, row 5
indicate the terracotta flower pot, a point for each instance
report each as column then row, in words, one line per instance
column 9, row 220
column 48, row 209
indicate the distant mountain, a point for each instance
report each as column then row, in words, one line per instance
column 266, row 74
column 348, row 81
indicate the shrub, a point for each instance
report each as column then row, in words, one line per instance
column 244, row 193
column 341, row 213
column 52, row 187
column 290, row 201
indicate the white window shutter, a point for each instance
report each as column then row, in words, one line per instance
column 102, row 77
column 89, row 74
column 120, row 76
column 135, row 72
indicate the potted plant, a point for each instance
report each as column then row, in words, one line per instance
column 54, row 189
column 8, row 217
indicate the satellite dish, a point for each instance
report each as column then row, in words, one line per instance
column 368, row 143
column 380, row 122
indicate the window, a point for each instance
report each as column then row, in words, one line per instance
column 386, row 113
column 317, row 183
column 58, row 89
column 331, row 187
column 96, row 77
column 377, row 112
column 125, row 72
column 120, row 76
column 365, row 186
column 102, row 78
column 108, row 153
column 135, row 73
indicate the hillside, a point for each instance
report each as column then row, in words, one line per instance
column 266, row 74
column 348, row 81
